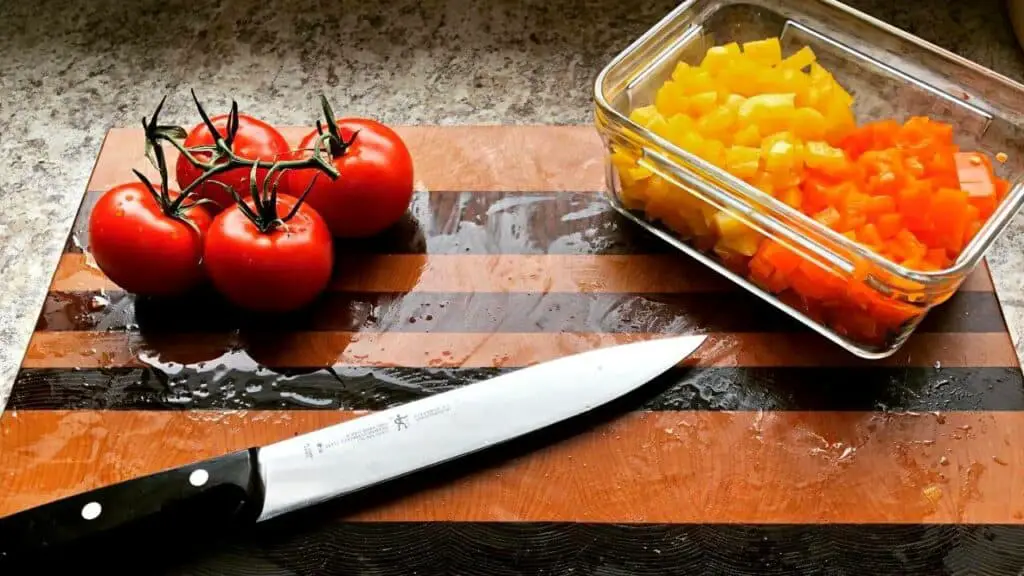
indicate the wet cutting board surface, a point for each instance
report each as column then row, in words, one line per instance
column 771, row 452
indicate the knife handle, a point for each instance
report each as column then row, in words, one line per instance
column 220, row 491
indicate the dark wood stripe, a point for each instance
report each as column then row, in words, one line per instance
column 473, row 350
column 637, row 273
column 497, row 549
column 698, row 312
column 284, row 548
column 612, row 465
column 219, row 387
column 444, row 222
column 442, row 548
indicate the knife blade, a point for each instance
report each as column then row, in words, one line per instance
column 257, row 484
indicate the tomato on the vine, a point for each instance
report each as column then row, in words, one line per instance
column 145, row 243
column 265, row 266
column 376, row 183
column 253, row 139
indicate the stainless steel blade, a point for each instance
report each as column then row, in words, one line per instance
column 384, row 445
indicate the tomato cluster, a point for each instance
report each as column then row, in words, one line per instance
column 252, row 216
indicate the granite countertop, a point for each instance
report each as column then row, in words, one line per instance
column 87, row 66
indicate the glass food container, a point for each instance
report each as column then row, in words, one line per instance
column 852, row 295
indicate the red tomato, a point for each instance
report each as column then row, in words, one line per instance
column 375, row 186
column 254, row 139
column 142, row 249
column 280, row 270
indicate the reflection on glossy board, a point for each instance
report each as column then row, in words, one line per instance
column 751, row 450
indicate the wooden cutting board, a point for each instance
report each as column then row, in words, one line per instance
column 775, row 451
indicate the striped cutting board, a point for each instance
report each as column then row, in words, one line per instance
column 775, row 453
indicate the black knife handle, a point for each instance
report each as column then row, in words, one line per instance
column 221, row 491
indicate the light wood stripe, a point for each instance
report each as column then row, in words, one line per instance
column 681, row 467
column 416, row 349
column 478, row 158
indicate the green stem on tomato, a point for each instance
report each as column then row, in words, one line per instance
column 302, row 198
column 221, row 158
column 264, row 213
column 338, row 145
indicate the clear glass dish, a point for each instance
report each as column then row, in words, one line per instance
column 890, row 74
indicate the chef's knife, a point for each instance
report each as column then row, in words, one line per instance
column 263, row 482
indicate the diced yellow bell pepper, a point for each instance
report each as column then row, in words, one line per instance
column 625, row 165
column 733, row 102
column 819, row 75
column 784, row 179
column 800, row 59
column 767, row 51
column 680, row 71
column 691, row 141
column 763, row 103
column 678, row 126
column 639, row 173
column 783, row 136
column 840, row 122
column 713, row 151
column 658, row 194
column 702, row 103
column 818, row 96
column 690, row 208
column 827, row 88
column 670, row 100
column 694, row 81
column 821, row 156
column 740, row 76
column 808, row 124
column 717, row 124
column 717, row 57
column 763, row 182
column 769, row 112
column 735, row 235
column 748, row 136
column 742, row 161
column 659, row 126
column 697, row 224
column 840, row 94
column 779, row 156
column 791, row 196
column 643, row 115
column 677, row 221
column 785, row 81
column 708, row 211
column 634, row 191
column 750, row 112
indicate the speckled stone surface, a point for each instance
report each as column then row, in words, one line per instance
column 87, row 66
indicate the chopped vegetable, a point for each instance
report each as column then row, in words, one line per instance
column 784, row 125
